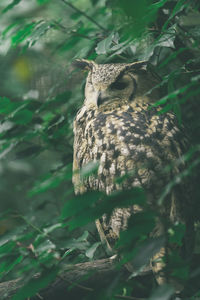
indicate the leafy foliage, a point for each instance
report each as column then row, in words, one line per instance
column 43, row 225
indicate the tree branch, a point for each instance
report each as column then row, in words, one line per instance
column 84, row 14
column 75, row 282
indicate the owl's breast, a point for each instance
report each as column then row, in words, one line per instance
column 137, row 143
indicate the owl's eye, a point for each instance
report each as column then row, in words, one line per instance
column 118, row 85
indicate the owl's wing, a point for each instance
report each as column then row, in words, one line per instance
column 80, row 146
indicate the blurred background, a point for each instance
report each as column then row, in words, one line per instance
column 41, row 91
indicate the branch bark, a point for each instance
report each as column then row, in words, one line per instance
column 85, row 278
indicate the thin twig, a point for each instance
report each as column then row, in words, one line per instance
column 39, row 296
column 72, row 31
column 83, row 14
column 92, row 290
column 103, row 238
column 82, row 287
column 37, row 229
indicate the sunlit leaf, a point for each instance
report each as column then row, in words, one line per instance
column 51, row 228
column 80, row 243
column 90, row 252
column 158, row 4
column 104, row 46
column 180, row 5
column 45, row 246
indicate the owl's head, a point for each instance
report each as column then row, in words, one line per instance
column 108, row 84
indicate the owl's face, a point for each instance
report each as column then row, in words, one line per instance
column 108, row 84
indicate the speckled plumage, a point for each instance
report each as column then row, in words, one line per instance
column 118, row 127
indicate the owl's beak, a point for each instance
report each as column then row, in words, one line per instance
column 98, row 99
column 101, row 98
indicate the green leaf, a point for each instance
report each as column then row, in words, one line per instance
column 4, row 103
column 95, row 204
column 6, row 248
column 7, row 29
column 180, row 5
column 90, row 252
column 41, row 2
column 22, row 117
column 9, row 265
column 40, row 29
column 140, row 225
column 75, row 16
column 103, row 47
column 51, row 180
column 158, row 4
column 35, row 285
column 6, row 106
column 81, row 243
column 173, row 95
column 45, row 246
column 177, row 266
column 76, row 205
column 29, row 151
column 176, row 234
column 23, row 33
column 171, row 56
column 146, row 251
column 51, row 228
column 11, row 5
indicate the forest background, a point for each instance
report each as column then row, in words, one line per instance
column 43, row 225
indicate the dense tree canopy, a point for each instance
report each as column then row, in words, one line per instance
column 43, row 225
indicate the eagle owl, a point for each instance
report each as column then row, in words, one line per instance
column 119, row 127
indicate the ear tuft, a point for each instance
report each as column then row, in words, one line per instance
column 139, row 65
column 84, row 64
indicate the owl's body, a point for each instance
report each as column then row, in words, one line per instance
column 118, row 127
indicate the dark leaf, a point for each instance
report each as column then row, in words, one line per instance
column 163, row 292
column 29, row 151
column 34, row 285
column 11, row 5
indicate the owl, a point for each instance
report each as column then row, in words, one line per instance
column 119, row 127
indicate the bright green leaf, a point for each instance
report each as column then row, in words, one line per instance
column 22, row 117
column 23, row 33
column 43, row 1
column 104, row 46
column 11, row 5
